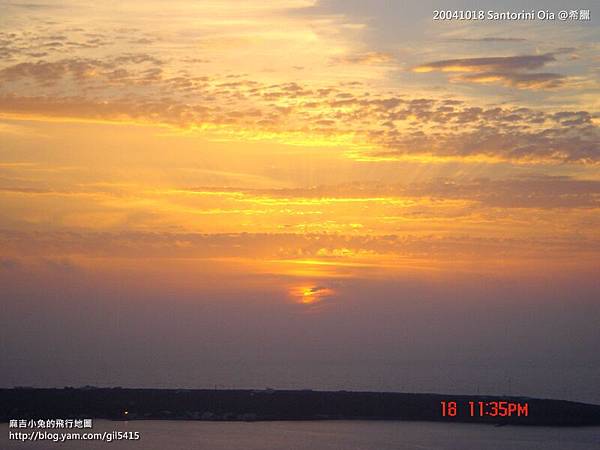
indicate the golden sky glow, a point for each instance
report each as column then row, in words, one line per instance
column 286, row 138
column 302, row 194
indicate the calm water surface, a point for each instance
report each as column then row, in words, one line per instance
column 330, row 435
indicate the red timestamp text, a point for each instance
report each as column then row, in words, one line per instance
column 493, row 408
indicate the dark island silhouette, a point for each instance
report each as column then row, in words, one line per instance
column 269, row 404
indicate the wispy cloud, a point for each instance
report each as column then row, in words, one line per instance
column 513, row 71
column 368, row 58
column 498, row 63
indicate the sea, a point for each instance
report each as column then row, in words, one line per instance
column 320, row 435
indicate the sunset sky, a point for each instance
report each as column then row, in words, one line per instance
column 297, row 193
